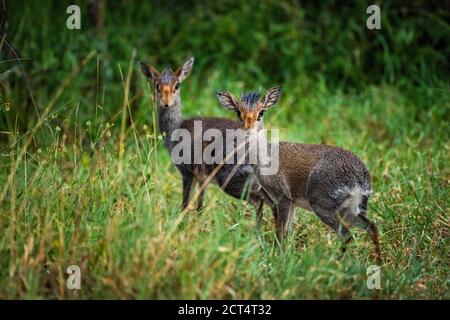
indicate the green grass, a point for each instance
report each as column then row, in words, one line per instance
column 88, row 181
column 67, row 204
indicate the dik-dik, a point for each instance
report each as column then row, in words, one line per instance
column 330, row 181
column 233, row 179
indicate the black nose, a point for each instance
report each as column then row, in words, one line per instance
column 166, row 105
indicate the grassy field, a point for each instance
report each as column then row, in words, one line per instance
column 85, row 179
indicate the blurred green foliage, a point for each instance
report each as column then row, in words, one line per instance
column 270, row 40
column 307, row 44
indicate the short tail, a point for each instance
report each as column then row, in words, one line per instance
column 355, row 201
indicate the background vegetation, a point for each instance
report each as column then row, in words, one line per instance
column 85, row 180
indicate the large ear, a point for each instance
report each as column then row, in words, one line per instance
column 184, row 71
column 272, row 96
column 149, row 71
column 227, row 100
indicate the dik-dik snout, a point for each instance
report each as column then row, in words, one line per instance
column 250, row 120
column 166, row 94
column 167, row 83
column 249, row 108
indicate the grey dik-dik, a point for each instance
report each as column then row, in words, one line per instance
column 330, row 181
column 234, row 180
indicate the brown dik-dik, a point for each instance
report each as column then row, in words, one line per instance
column 232, row 179
column 330, row 181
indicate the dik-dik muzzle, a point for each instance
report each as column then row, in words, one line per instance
column 166, row 93
column 249, row 119
column 167, row 83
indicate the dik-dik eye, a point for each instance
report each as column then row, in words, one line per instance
column 177, row 86
column 158, row 88
column 261, row 114
column 239, row 114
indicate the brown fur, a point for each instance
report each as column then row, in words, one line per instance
column 330, row 181
column 232, row 179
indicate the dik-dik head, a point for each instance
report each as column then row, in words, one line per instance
column 167, row 82
column 250, row 108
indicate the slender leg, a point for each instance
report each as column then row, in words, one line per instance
column 200, row 175
column 188, row 181
column 330, row 218
column 343, row 231
column 259, row 212
column 359, row 221
column 201, row 196
column 257, row 199
column 364, row 223
column 345, row 236
column 285, row 216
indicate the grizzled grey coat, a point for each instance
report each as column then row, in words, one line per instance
column 330, row 181
column 234, row 180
